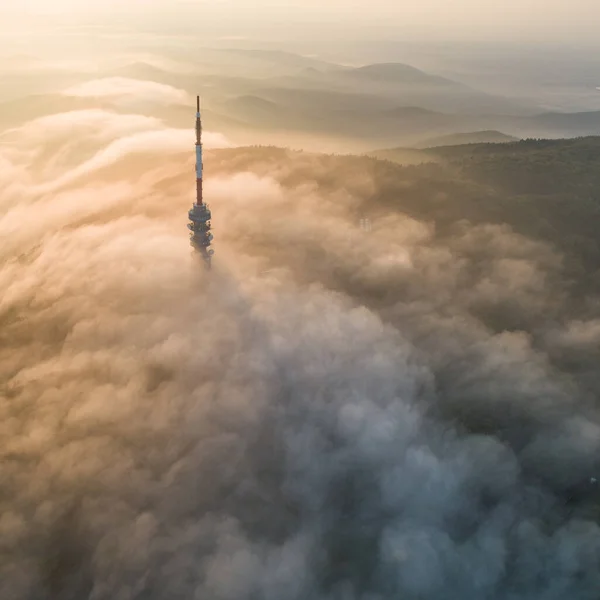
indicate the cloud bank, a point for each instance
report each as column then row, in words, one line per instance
column 359, row 422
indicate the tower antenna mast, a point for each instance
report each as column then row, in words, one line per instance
column 200, row 215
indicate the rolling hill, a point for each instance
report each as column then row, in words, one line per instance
column 266, row 97
column 546, row 189
column 475, row 137
column 398, row 73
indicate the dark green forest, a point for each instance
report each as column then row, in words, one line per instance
column 543, row 189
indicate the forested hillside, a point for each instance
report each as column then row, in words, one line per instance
column 549, row 189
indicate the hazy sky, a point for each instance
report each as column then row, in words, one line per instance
column 540, row 20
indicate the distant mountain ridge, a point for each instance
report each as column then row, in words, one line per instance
column 399, row 73
column 474, row 137
column 269, row 96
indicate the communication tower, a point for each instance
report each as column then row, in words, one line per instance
column 200, row 215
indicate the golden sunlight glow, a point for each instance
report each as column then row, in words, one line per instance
column 516, row 19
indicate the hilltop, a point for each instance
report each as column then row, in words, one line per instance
column 544, row 189
column 475, row 137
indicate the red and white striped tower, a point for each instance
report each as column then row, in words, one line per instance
column 200, row 214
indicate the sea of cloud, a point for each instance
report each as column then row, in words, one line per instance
column 325, row 415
